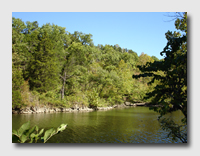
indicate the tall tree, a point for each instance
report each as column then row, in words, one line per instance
column 46, row 62
column 171, row 92
column 18, row 44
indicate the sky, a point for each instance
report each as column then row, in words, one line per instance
column 138, row 31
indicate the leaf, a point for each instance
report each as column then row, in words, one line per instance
column 48, row 134
column 41, row 131
column 42, row 138
column 14, row 132
column 61, row 127
column 23, row 128
column 31, row 141
column 36, row 128
column 23, row 138
column 32, row 135
column 30, row 131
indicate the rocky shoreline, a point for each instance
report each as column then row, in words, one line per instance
column 46, row 109
column 76, row 108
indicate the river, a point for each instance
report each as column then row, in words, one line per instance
column 120, row 125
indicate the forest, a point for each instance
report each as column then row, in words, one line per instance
column 53, row 66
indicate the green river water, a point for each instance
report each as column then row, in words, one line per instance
column 121, row 125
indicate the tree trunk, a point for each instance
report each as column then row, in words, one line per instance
column 62, row 91
column 63, row 87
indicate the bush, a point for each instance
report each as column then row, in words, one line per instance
column 78, row 98
column 16, row 99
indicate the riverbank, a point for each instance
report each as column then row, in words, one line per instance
column 76, row 108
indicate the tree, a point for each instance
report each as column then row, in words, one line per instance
column 46, row 62
column 154, row 58
column 143, row 59
column 18, row 44
column 84, row 39
column 171, row 92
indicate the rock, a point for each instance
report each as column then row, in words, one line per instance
column 15, row 111
column 48, row 109
column 51, row 110
column 42, row 109
column 89, row 109
column 127, row 103
column 67, row 110
column 63, row 109
column 33, row 109
column 58, row 109
column 140, row 104
column 37, row 109
column 23, row 112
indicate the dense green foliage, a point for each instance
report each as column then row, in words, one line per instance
column 25, row 134
column 52, row 66
column 171, row 91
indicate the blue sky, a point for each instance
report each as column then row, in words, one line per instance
column 139, row 31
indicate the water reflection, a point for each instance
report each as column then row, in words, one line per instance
column 127, row 125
